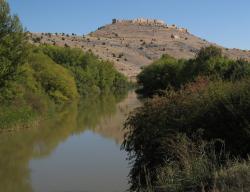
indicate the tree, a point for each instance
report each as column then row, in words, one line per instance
column 209, row 52
column 13, row 44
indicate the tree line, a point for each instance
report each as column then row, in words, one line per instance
column 36, row 80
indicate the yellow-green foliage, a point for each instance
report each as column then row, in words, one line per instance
column 33, row 81
column 55, row 80
column 92, row 75
column 41, row 84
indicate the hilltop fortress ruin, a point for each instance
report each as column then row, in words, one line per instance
column 134, row 44
column 141, row 21
column 151, row 22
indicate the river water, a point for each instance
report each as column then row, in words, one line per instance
column 77, row 151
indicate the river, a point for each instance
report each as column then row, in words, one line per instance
column 76, row 151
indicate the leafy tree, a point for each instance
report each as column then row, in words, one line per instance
column 91, row 74
column 238, row 70
column 206, row 53
column 55, row 80
column 169, row 72
column 160, row 75
column 13, row 44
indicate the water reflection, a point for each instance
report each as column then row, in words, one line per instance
column 60, row 154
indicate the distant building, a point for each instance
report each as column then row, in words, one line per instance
column 141, row 21
column 114, row 21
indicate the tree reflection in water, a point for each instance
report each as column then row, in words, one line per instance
column 103, row 115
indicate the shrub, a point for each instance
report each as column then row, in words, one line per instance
column 220, row 109
column 160, row 75
column 169, row 72
column 55, row 80
column 37, row 39
column 91, row 74
column 120, row 55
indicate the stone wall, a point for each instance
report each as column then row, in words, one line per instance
column 141, row 21
column 148, row 21
column 152, row 22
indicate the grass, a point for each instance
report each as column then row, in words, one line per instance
column 232, row 177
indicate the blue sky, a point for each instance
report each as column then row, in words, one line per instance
column 226, row 22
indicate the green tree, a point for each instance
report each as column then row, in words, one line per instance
column 209, row 61
column 206, row 53
column 160, row 75
column 13, row 44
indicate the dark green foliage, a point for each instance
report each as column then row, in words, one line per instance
column 210, row 62
column 237, row 70
column 160, row 75
column 207, row 53
column 168, row 72
column 13, row 47
column 221, row 110
column 216, row 105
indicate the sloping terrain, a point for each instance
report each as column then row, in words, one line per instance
column 132, row 44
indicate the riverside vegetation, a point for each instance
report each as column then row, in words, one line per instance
column 193, row 133
column 36, row 81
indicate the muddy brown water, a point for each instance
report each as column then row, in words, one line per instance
column 77, row 151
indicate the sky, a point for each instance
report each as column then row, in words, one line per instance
column 225, row 22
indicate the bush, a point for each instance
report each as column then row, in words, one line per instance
column 220, row 109
column 168, row 72
column 36, row 80
column 160, row 75
column 91, row 74
column 55, row 80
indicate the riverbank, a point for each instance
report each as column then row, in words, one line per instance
column 37, row 80
column 192, row 133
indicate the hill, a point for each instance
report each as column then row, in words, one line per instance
column 133, row 44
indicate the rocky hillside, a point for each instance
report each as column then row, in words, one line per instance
column 132, row 44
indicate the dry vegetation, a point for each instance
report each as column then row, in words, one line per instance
column 138, row 44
